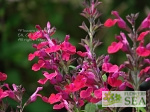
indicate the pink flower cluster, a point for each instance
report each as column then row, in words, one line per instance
column 16, row 94
column 135, row 51
column 77, row 85
column 85, row 84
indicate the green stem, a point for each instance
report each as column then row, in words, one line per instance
column 22, row 107
column 64, row 67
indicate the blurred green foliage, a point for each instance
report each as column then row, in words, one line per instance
column 17, row 17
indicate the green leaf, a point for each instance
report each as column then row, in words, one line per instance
column 100, row 106
column 104, row 77
column 71, row 66
column 90, row 107
column 141, row 109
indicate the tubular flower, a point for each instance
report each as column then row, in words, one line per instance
column 54, row 98
column 86, row 93
column 67, row 48
column 114, row 82
column 35, row 35
column 108, row 67
column 120, row 22
column 3, row 76
column 110, row 22
column 34, row 96
column 114, row 47
column 38, row 66
column 78, row 83
column 145, row 23
column 142, row 35
column 142, row 51
column 3, row 94
column 98, row 93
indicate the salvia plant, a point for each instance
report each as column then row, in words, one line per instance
column 79, row 77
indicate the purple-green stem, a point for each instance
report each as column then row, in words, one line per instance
column 135, row 72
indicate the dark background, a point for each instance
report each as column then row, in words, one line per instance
column 17, row 17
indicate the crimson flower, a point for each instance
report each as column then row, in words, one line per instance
column 78, row 83
column 145, row 23
column 108, row 67
column 120, row 22
column 82, row 54
column 67, row 48
column 114, row 47
column 124, row 41
column 63, row 104
column 42, row 81
column 33, row 97
column 86, row 93
column 142, row 35
column 16, row 92
column 35, row 35
column 54, row 98
column 95, row 100
column 10, row 92
column 52, row 49
column 38, row 66
column 91, row 79
column 142, row 51
column 145, row 70
column 85, row 54
column 3, row 76
column 3, row 94
column 98, row 93
column 114, row 82
column 32, row 56
column 59, row 106
column 110, row 22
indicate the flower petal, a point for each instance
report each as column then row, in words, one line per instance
column 108, row 67
column 86, row 93
column 114, row 82
column 53, row 49
column 147, row 79
column 51, row 75
column 43, row 81
column 98, row 93
column 35, row 35
column 142, row 51
column 59, row 106
column 38, row 66
column 54, row 98
column 142, row 35
column 110, row 22
column 114, row 47
column 82, row 54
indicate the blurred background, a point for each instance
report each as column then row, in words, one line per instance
column 19, row 17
